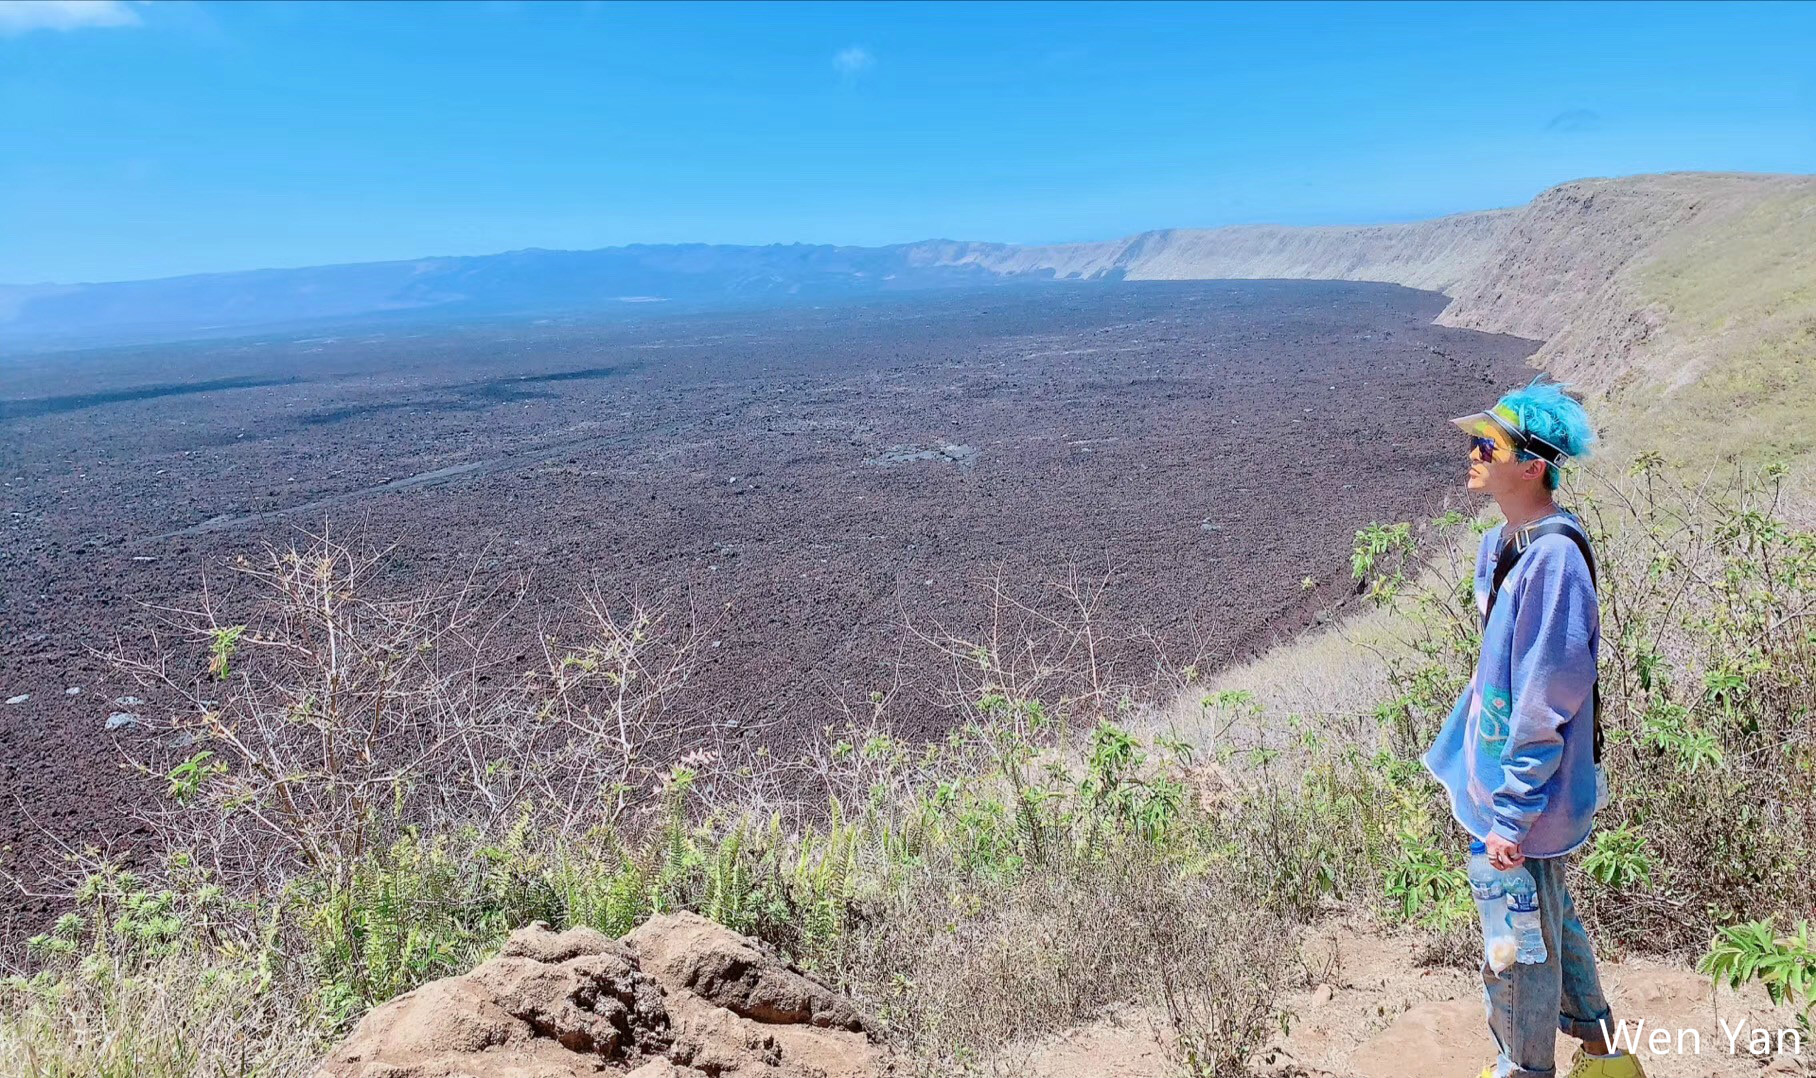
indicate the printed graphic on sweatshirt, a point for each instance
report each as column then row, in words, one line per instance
column 1493, row 724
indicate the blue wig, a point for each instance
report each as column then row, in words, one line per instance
column 1546, row 410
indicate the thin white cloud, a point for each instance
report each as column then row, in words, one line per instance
column 852, row 61
column 1575, row 121
column 23, row 16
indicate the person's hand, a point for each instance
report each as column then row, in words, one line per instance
column 1502, row 854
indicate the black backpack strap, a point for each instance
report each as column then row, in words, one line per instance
column 1512, row 547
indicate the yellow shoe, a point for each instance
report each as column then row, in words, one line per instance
column 1620, row 1066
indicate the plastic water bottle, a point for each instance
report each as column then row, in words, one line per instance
column 1488, row 886
column 1523, row 913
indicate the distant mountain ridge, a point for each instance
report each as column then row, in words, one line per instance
column 1431, row 254
column 527, row 280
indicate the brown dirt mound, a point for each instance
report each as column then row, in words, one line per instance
column 680, row 996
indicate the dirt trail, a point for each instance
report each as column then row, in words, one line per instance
column 1374, row 1012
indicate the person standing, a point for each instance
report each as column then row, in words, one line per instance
column 1520, row 752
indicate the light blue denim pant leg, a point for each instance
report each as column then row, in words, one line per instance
column 1529, row 1003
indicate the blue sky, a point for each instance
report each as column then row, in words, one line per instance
column 152, row 139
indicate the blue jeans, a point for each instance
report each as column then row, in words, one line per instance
column 1529, row 1003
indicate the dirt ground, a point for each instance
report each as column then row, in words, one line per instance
column 825, row 476
column 1375, row 1011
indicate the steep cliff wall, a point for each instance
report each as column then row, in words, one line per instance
column 1574, row 270
column 1435, row 255
column 1584, row 267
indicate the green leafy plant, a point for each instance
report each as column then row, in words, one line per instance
column 1619, row 859
column 1429, row 884
column 188, row 777
column 1754, row 951
column 1383, row 553
column 221, row 646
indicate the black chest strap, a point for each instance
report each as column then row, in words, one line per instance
column 1512, row 547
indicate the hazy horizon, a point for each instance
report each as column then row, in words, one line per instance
column 441, row 255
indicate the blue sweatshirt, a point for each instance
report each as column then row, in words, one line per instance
column 1517, row 752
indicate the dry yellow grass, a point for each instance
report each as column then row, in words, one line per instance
column 1326, row 671
column 1741, row 345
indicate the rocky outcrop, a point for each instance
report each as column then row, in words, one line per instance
column 681, row 997
column 689, row 954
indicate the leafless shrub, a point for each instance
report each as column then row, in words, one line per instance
column 1221, row 971
column 968, row 973
column 1044, row 644
column 328, row 714
column 601, row 721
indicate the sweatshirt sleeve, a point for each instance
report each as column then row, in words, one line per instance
column 1484, row 571
column 1553, row 673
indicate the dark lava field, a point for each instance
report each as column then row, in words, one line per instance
column 824, row 476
